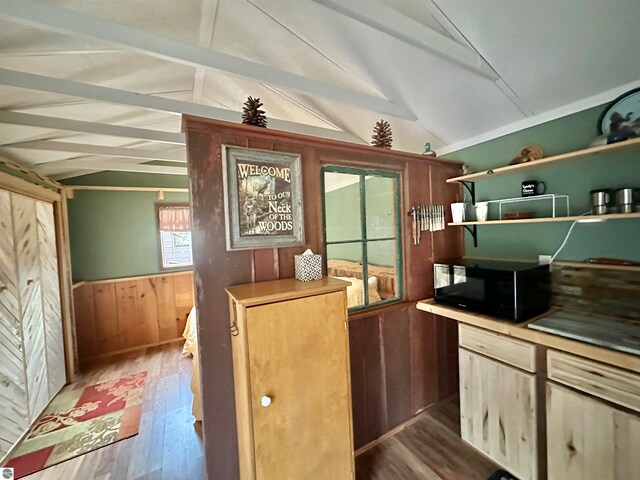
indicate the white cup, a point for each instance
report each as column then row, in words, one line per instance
column 457, row 212
column 482, row 210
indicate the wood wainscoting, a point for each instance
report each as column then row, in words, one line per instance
column 113, row 316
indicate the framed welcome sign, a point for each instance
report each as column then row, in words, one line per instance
column 263, row 198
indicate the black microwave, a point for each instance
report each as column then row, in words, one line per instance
column 515, row 291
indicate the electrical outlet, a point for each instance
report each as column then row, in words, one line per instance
column 544, row 259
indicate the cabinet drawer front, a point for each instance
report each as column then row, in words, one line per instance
column 508, row 350
column 600, row 380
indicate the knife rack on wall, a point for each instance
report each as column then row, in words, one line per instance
column 426, row 218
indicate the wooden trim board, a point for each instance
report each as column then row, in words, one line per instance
column 24, row 187
column 66, row 288
column 125, row 189
column 131, row 279
column 132, row 349
column 228, row 128
column 520, row 330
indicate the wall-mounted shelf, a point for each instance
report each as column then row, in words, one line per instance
column 585, row 218
column 563, row 159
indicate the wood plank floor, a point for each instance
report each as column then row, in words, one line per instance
column 430, row 449
column 167, row 447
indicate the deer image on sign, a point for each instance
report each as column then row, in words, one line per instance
column 263, row 198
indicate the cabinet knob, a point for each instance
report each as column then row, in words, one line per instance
column 265, row 401
column 2, row 288
column 29, row 281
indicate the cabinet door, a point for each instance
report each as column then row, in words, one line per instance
column 14, row 413
column 498, row 413
column 588, row 439
column 30, row 287
column 48, row 259
column 298, row 358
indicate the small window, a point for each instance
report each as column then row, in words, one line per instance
column 174, row 224
column 362, row 233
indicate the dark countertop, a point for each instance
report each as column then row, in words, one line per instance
column 607, row 332
column 627, row 355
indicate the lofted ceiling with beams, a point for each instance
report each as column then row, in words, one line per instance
column 89, row 85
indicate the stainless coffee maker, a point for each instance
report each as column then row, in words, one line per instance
column 600, row 200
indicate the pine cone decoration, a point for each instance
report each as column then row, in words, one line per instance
column 251, row 113
column 382, row 137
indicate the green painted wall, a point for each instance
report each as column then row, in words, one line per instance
column 114, row 234
column 343, row 220
column 615, row 238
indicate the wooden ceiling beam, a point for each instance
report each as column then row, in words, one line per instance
column 101, row 150
column 62, row 20
column 71, row 88
column 56, row 123
column 93, row 164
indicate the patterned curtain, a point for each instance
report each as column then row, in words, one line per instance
column 175, row 219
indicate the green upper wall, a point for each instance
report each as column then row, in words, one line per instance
column 115, row 234
column 614, row 238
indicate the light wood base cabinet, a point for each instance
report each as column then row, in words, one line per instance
column 590, row 440
column 291, row 371
column 498, row 413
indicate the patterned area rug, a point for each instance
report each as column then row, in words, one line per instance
column 81, row 420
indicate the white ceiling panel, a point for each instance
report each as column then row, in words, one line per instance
column 123, row 70
column 543, row 57
column 18, row 39
column 179, row 20
column 245, row 31
column 552, row 52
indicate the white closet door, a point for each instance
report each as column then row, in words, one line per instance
column 30, row 286
column 14, row 412
column 51, row 297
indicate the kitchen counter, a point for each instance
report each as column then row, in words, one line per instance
column 606, row 332
column 535, row 335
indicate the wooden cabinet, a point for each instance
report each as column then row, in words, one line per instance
column 291, row 372
column 32, row 369
column 498, row 413
column 589, row 439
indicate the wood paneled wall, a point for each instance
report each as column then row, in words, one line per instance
column 399, row 360
column 125, row 313
column 605, row 291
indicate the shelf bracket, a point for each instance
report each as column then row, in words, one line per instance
column 473, row 230
column 471, row 188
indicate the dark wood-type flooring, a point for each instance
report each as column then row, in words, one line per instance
column 167, row 446
column 430, row 448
